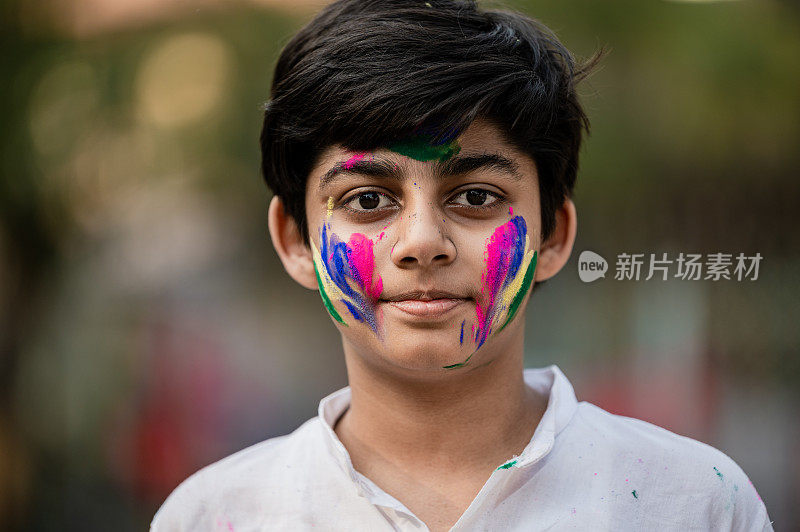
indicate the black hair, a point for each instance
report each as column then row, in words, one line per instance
column 365, row 73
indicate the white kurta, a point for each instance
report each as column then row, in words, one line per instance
column 584, row 469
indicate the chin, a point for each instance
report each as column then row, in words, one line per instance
column 425, row 350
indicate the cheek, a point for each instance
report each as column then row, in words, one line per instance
column 362, row 263
column 518, row 287
column 509, row 265
column 328, row 290
column 505, row 251
column 346, row 274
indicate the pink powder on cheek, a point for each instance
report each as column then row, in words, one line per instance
column 354, row 159
column 498, row 265
column 362, row 262
column 383, row 233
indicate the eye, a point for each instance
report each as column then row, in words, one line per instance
column 476, row 197
column 367, row 201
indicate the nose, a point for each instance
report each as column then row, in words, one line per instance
column 422, row 240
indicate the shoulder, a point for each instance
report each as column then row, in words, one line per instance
column 707, row 482
column 263, row 469
column 630, row 436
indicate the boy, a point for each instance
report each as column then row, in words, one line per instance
column 422, row 156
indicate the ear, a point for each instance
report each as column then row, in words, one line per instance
column 289, row 244
column 555, row 252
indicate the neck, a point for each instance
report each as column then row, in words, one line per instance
column 473, row 418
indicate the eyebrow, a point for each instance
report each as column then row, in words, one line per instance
column 372, row 168
column 485, row 161
column 452, row 167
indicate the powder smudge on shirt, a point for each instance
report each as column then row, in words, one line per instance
column 507, row 465
column 754, row 489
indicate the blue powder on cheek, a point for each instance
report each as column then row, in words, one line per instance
column 353, row 310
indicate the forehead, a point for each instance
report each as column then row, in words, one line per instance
column 484, row 135
column 481, row 137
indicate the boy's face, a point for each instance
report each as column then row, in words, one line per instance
column 424, row 255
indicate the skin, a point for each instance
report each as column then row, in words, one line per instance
column 422, row 425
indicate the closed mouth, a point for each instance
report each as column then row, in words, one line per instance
column 424, row 295
column 427, row 308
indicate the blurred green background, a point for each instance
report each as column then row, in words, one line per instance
column 147, row 328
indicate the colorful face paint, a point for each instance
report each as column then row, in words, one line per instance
column 348, row 164
column 421, row 149
column 345, row 273
column 510, row 266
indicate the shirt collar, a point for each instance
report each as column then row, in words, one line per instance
column 549, row 381
column 561, row 406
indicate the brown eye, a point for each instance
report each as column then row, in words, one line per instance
column 368, row 201
column 476, row 197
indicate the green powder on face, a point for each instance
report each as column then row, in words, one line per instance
column 326, row 300
column 458, row 364
column 520, row 297
column 420, row 149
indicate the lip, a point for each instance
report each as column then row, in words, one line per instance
column 427, row 308
column 424, row 295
